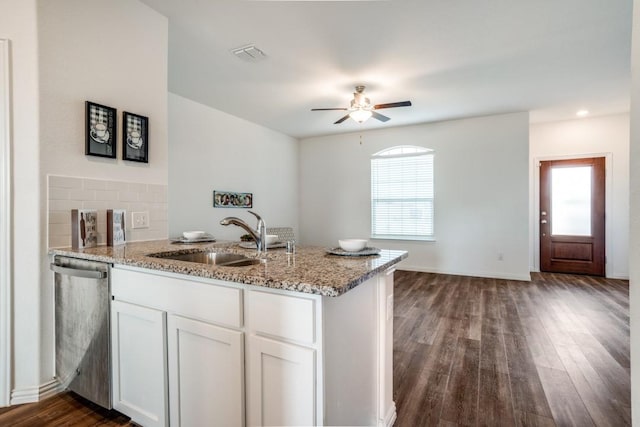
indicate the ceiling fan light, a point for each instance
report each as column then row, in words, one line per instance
column 360, row 115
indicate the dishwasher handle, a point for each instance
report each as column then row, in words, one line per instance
column 77, row 272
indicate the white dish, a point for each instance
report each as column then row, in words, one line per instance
column 191, row 235
column 353, row 245
column 271, row 239
column 204, row 239
column 252, row 245
column 364, row 252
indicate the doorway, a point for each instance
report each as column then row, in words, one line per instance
column 5, row 225
column 572, row 216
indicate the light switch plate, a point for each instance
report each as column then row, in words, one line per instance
column 140, row 219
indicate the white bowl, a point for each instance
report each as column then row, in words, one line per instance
column 191, row 235
column 353, row 245
column 270, row 239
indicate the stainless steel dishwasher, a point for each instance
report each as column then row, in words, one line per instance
column 83, row 355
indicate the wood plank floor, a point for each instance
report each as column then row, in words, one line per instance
column 487, row 352
column 477, row 352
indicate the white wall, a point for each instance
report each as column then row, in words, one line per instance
column 211, row 150
column 598, row 136
column 634, row 257
column 60, row 59
column 481, row 189
column 18, row 23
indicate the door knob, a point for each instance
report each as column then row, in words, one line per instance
column 544, row 221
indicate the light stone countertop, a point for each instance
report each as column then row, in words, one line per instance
column 309, row 270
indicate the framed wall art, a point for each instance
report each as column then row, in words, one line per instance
column 100, row 130
column 135, row 137
column 228, row 199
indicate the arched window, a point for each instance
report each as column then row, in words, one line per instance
column 402, row 193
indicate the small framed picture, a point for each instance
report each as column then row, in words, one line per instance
column 84, row 228
column 228, row 199
column 116, row 227
column 100, row 129
column 135, row 137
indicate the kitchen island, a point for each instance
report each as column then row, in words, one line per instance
column 296, row 339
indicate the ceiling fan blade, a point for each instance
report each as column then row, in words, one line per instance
column 392, row 105
column 328, row 109
column 342, row 120
column 379, row 117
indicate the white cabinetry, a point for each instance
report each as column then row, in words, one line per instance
column 294, row 358
column 205, row 374
column 138, row 338
column 281, row 384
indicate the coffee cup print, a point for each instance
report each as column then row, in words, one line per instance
column 135, row 139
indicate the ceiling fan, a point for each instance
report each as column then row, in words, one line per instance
column 361, row 108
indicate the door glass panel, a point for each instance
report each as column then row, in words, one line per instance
column 571, row 201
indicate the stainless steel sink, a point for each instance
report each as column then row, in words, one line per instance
column 222, row 259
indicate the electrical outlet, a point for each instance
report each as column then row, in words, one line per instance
column 140, row 219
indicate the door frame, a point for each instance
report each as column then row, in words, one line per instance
column 5, row 227
column 608, row 190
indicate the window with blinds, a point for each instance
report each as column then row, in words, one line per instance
column 402, row 194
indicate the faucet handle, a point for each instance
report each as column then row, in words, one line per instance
column 256, row 215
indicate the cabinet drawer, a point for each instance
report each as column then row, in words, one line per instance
column 204, row 301
column 282, row 316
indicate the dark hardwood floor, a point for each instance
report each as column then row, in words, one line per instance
column 65, row 409
column 487, row 352
column 478, row 352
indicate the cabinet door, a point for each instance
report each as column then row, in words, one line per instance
column 282, row 383
column 205, row 374
column 139, row 363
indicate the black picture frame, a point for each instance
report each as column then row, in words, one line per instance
column 100, row 130
column 135, row 137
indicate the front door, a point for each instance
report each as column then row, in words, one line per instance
column 572, row 203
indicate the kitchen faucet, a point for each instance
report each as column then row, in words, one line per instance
column 259, row 234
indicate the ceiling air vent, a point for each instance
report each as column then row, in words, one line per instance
column 249, row 53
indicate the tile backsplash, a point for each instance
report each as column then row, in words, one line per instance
column 66, row 193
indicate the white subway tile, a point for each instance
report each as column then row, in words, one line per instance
column 95, row 204
column 137, row 187
column 146, row 197
column 128, row 196
column 59, row 241
column 59, row 217
column 60, row 229
column 160, row 197
column 157, row 188
column 117, row 185
column 64, row 182
column 64, row 205
column 57, row 193
column 106, row 195
column 95, row 184
column 82, row 195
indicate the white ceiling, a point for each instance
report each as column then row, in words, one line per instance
column 451, row 58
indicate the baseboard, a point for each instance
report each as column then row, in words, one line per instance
column 490, row 275
column 390, row 417
column 35, row 393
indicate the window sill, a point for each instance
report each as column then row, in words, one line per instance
column 404, row 238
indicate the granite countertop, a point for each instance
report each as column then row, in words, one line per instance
column 309, row 270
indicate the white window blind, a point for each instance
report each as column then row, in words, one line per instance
column 402, row 194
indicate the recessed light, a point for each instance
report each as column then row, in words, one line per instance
column 582, row 113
